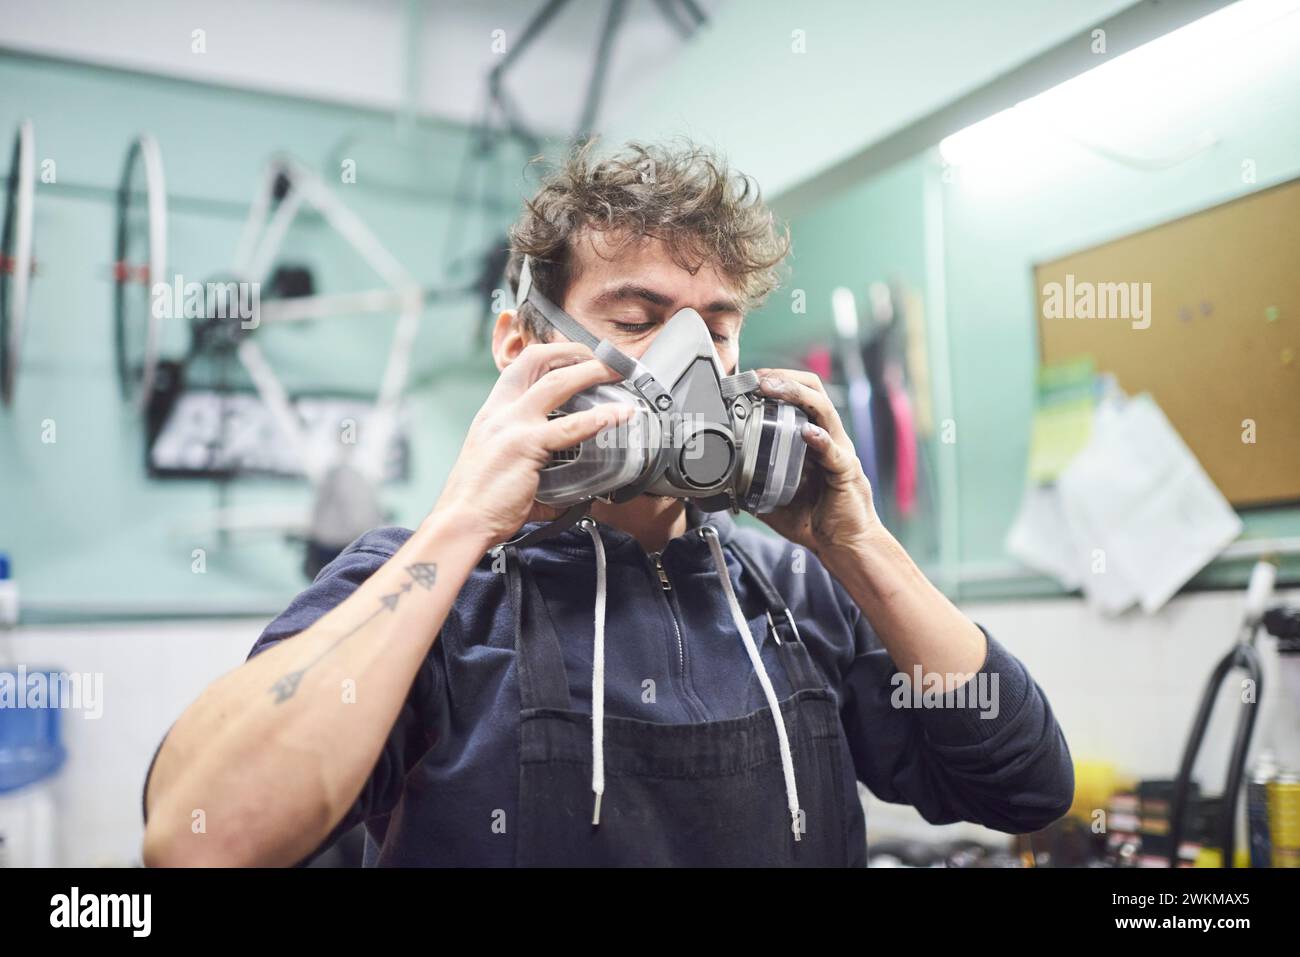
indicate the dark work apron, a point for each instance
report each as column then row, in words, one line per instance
column 702, row 794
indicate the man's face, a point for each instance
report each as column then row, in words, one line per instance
column 626, row 292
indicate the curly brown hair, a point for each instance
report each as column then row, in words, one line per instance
column 680, row 193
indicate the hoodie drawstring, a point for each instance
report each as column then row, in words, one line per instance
column 710, row 535
column 598, row 676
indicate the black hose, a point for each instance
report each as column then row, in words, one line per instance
column 1244, row 656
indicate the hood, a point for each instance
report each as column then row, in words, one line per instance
column 577, row 542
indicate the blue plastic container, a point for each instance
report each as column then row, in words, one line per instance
column 31, row 748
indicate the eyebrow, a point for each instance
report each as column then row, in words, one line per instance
column 631, row 290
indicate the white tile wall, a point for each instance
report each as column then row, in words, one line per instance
column 150, row 673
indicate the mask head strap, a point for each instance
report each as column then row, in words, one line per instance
column 638, row 376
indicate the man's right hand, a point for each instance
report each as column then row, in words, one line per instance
column 495, row 478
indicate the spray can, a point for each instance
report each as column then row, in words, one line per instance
column 1284, row 819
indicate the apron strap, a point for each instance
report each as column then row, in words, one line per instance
column 799, row 667
column 542, row 679
column 779, row 617
column 572, row 515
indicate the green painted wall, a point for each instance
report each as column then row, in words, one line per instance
column 1044, row 197
column 788, row 88
column 1032, row 200
column 84, row 528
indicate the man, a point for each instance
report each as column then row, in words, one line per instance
column 444, row 693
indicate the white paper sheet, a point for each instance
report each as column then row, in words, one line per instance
column 1143, row 515
column 1040, row 536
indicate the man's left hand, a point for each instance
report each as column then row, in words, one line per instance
column 832, row 511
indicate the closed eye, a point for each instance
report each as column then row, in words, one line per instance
column 635, row 328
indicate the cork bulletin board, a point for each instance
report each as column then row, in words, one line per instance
column 1223, row 340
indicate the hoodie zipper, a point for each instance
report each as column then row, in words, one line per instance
column 657, row 562
column 656, row 559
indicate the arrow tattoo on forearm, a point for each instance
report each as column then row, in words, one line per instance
column 424, row 574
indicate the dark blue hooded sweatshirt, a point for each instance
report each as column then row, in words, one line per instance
column 447, row 782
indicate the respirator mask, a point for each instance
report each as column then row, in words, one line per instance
column 697, row 433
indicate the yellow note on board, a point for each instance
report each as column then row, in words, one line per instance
column 1060, row 431
column 1062, row 423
